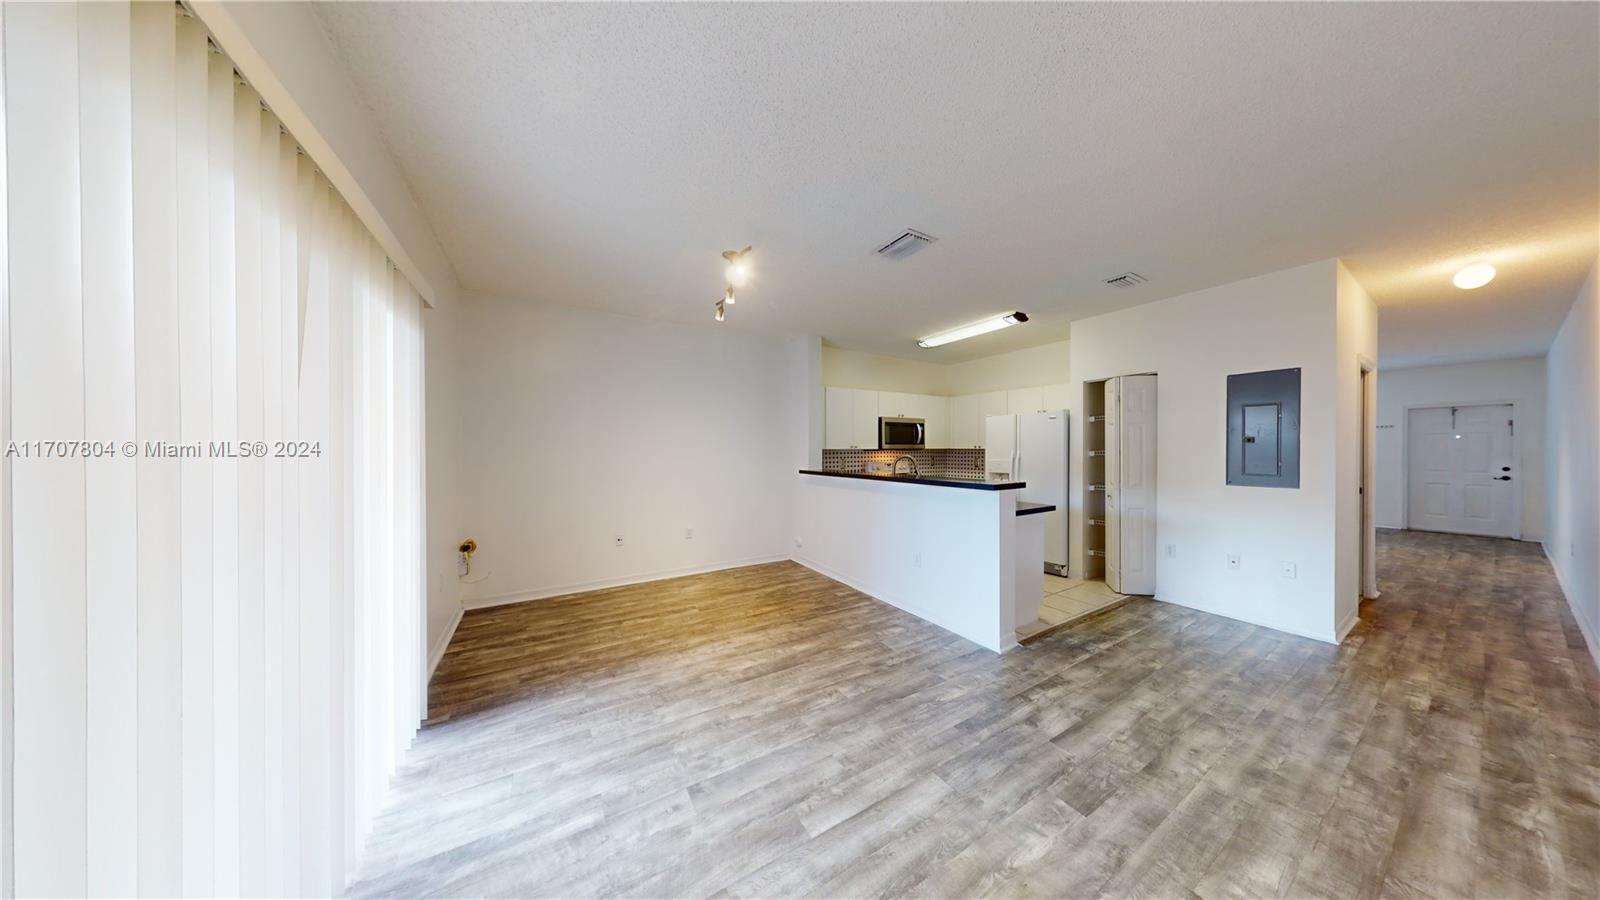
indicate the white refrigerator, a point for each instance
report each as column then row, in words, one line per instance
column 1032, row 447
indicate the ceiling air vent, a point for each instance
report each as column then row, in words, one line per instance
column 906, row 244
column 1126, row 280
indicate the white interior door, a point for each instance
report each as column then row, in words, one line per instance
column 1460, row 471
column 1136, row 484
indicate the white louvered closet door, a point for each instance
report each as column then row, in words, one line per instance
column 215, row 655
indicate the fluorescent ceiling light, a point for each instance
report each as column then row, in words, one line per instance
column 973, row 330
column 1474, row 276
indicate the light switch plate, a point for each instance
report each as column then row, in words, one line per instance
column 1233, row 560
column 1289, row 570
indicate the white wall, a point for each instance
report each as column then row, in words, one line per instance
column 1355, row 348
column 1029, row 367
column 443, row 448
column 1572, row 537
column 871, row 372
column 1193, row 342
column 577, row 426
column 1519, row 381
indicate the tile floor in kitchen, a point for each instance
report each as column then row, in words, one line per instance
column 1067, row 600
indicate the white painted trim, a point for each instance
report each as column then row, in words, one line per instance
column 915, row 609
column 1589, row 636
column 436, row 653
column 1343, row 631
column 1330, row 638
column 579, row 587
column 1405, row 464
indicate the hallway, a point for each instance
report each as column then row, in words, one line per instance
column 765, row 731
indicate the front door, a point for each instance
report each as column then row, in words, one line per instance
column 1460, row 474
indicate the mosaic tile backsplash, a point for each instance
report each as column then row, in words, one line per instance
column 964, row 463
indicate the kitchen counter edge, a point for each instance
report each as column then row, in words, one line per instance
column 934, row 482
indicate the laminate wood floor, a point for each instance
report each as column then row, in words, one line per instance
column 769, row 732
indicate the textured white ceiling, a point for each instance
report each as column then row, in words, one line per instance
column 603, row 155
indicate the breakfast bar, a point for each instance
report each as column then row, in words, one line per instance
column 950, row 551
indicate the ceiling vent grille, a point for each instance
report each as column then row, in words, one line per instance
column 906, row 244
column 1126, row 280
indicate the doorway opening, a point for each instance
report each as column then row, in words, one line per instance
column 1367, row 537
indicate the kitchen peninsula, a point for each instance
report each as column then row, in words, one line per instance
column 948, row 550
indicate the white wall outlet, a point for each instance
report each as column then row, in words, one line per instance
column 1172, row 551
column 916, row 560
column 617, row 541
column 799, row 541
column 688, row 533
column 1233, row 560
column 1288, row 570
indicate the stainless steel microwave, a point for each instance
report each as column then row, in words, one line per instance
column 901, row 434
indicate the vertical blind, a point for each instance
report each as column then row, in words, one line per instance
column 214, row 644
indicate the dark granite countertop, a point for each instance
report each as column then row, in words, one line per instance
column 975, row 484
column 1029, row 508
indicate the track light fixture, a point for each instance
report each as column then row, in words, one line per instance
column 738, row 270
column 738, row 273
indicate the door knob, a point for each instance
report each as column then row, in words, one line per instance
column 1502, row 478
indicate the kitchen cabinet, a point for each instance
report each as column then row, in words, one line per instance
column 936, row 410
column 967, row 413
column 850, row 419
column 1024, row 400
column 1056, row 396
column 897, row 405
column 966, row 421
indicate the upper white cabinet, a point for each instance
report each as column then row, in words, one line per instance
column 865, row 419
column 850, row 419
column 852, row 415
column 966, row 421
column 967, row 413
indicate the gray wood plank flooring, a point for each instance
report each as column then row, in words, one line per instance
column 767, row 732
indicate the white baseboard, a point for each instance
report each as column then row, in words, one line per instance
column 581, row 586
column 1349, row 622
column 1589, row 636
column 436, row 653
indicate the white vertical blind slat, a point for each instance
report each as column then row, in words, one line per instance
column 156, row 391
column 105, row 120
column 252, row 515
column 271, row 300
column 194, row 348
column 225, row 478
column 48, row 502
column 217, row 659
column 316, row 536
column 289, row 353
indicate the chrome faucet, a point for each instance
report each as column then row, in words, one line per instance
column 895, row 470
